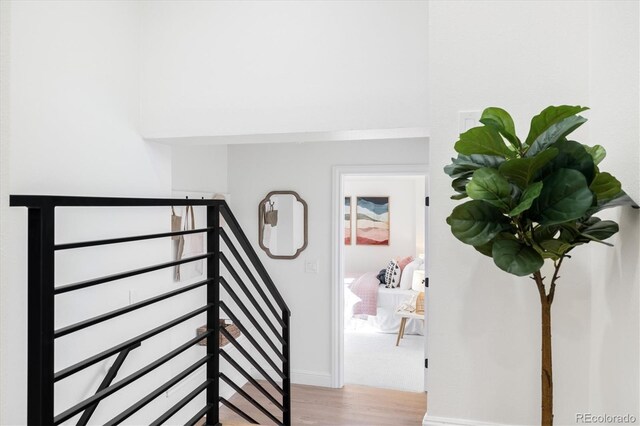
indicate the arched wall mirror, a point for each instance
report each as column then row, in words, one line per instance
column 282, row 224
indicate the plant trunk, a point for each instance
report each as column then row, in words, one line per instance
column 546, row 373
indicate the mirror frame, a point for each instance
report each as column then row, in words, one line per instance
column 261, row 224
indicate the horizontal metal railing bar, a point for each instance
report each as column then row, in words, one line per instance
column 251, row 339
column 246, row 245
column 251, row 318
column 99, row 396
column 157, row 392
column 178, row 406
column 115, row 313
column 238, row 411
column 95, row 281
column 245, row 290
column 250, row 379
column 252, row 361
column 82, row 244
column 248, row 272
column 129, row 343
column 250, row 399
column 199, row 415
column 73, row 201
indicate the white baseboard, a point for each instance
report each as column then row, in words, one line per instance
column 300, row 377
column 312, row 378
column 448, row 421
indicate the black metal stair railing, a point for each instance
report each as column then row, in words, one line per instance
column 259, row 291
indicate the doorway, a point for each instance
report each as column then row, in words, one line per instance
column 364, row 347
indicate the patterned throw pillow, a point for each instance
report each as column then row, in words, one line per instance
column 392, row 276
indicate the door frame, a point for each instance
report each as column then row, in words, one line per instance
column 337, row 251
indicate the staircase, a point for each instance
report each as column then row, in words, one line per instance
column 237, row 285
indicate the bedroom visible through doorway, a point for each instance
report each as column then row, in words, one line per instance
column 382, row 268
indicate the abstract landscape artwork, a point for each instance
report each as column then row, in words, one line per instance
column 372, row 221
column 347, row 221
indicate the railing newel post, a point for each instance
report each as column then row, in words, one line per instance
column 213, row 315
column 40, row 314
column 286, row 369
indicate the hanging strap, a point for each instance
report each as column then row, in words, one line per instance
column 189, row 225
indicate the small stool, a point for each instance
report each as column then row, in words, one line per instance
column 405, row 315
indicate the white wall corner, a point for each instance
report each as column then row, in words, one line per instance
column 449, row 421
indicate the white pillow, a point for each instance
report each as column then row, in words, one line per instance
column 407, row 274
column 418, row 284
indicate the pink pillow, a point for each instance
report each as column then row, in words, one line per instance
column 404, row 262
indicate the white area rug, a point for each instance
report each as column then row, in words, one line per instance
column 373, row 359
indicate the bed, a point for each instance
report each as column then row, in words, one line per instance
column 367, row 300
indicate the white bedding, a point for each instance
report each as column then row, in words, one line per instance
column 386, row 321
column 389, row 299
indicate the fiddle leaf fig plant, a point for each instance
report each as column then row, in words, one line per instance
column 532, row 201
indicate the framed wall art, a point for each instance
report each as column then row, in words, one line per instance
column 372, row 221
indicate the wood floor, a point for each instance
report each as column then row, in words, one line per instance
column 352, row 405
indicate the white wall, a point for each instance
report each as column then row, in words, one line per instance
column 406, row 206
column 73, row 111
column 201, row 168
column 508, row 54
column 275, row 67
column 255, row 170
column 614, row 96
column 5, row 318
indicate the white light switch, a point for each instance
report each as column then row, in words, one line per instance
column 468, row 120
column 311, row 266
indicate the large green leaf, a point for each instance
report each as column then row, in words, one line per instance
column 619, row 200
column 605, row 186
column 585, row 223
column 503, row 123
column 571, row 155
column 565, row 196
column 528, row 197
column 516, row 258
column 522, row 170
column 465, row 165
column 476, row 222
column 597, row 152
column 601, row 230
column 486, row 248
column 483, row 140
column 460, row 185
column 542, row 233
column 555, row 133
column 488, row 185
column 460, row 196
column 569, row 232
column 551, row 124
column 557, row 248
